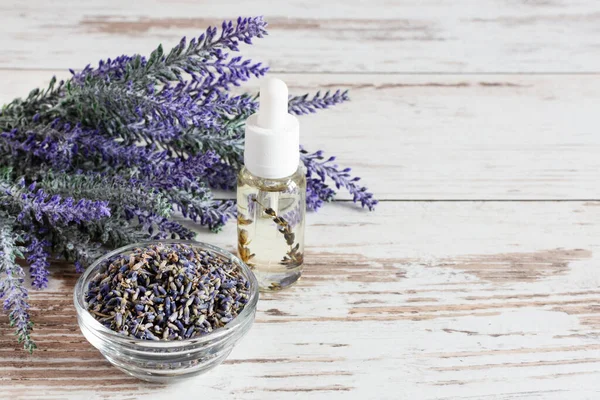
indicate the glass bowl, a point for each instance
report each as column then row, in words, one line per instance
column 164, row 361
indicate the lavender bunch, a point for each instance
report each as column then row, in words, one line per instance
column 106, row 157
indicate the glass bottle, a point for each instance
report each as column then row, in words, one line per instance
column 271, row 194
column 271, row 227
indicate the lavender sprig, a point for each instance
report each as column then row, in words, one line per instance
column 37, row 257
column 202, row 56
column 11, row 285
column 322, row 169
column 301, row 105
column 41, row 208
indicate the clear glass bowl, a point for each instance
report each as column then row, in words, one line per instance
column 164, row 361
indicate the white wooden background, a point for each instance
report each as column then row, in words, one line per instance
column 477, row 122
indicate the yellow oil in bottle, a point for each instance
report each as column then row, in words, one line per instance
column 271, row 219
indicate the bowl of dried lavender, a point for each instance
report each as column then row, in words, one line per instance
column 163, row 311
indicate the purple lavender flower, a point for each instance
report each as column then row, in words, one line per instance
column 64, row 146
column 300, row 105
column 317, row 192
column 47, row 144
column 15, row 301
column 79, row 268
column 341, row 178
column 11, row 286
column 232, row 75
column 221, row 175
column 203, row 55
column 218, row 213
column 107, row 70
column 42, row 208
column 231, row 34
column 232, row 72
column 177, row 171
column 225, row 104
column 93, row 147
column 179, row 181
column 37, row 257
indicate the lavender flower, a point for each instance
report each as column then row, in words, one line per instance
column 11, row 286
column 341, row 178
column 66, row 147
column 221, row 175
column 37, row 257
column 45, row 145
column 97, row 150
column 317, row 192
column 108, row 70
column 42, row 208
column 79, row 268
column 218, row 213
column 176, row 172
column 201, row 56
column 300, row 105
column 231, row 34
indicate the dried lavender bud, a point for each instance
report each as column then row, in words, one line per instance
column 167, row 292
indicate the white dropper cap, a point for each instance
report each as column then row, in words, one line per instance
column 272, row 135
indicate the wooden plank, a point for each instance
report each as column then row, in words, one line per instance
column 448, row 137
column 345, row 36
column 495, row 300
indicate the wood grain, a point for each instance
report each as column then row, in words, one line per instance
column 434, row 309
column 440, row 137
column 463, row 299
column 464, row 36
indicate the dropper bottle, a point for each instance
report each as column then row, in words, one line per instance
column 271, row 194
